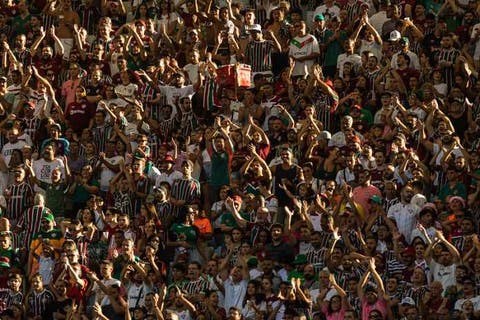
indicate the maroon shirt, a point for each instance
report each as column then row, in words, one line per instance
column 78, row 114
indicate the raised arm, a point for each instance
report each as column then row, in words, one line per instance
column 376, row 277
column 362, row 283
column 36, row 43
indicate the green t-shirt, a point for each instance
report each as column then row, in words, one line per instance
column 81, row 195
column 458, row 190
column 220, row 168
column 184, row 233
column 55, row 197
column 334, row 48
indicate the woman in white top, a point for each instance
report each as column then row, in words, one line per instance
column 166, row 16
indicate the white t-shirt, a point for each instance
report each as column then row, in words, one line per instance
column 136, row 294
column 378, row 19
column 172, row 93
column 475, row 300
column 374, row 47
column 414, row 62
column 168, row 177
column 301, row 47
column 405, row 216
column 100, row 296
column 8, row 148
column 333, row 11
column 126, row 90
column 43, row 170
column 192, row 71
column 234, row 293
column 106, row 174
column 444, row 274
column 343, row 58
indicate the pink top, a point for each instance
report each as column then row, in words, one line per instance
column 379, row 305
column 337, row 315
column 362, row 195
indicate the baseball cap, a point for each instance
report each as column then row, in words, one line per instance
column 325, row 135
column 404, row 40
column 407, row 300
column 395, row 36
column 319, row 17
column 255, row 27
column 376, row 199
column 48, row 216
column 458, row 199
column 57, row 126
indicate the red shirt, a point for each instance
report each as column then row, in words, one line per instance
column 79, row 114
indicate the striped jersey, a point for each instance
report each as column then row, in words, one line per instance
column 101, row 135
column 123, row 202
column 166, row 127
column 39, row 302
column 353, row 9
column 449, row 55
column 18, row 200
column 185, row 189
column 325, row 106
column 31, row 221
column 196, row 286
column 89, row 17
column 258, row 54
column 142, row 185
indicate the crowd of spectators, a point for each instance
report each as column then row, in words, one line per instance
column 141, row 179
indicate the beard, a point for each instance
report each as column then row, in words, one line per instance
column 309, row 276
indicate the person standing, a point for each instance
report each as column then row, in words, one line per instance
column 258, row 52
column 30, row 221
column 446, row 59
column 185, row 190
column 286, row 176
column 304, row 50
column 18, row 195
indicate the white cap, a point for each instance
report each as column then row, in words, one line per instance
column 255, row 27
column 395, row 36
column 408, row 300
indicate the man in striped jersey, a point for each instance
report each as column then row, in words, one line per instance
column 447, row 57
column 102, row 131
column 39, row 301
column 197, row 282
column 30, row 221
column 18, row 195
column 258, row 52
column 185, row 190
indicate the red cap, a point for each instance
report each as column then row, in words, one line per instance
column 409, row 250
column 168, row 158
